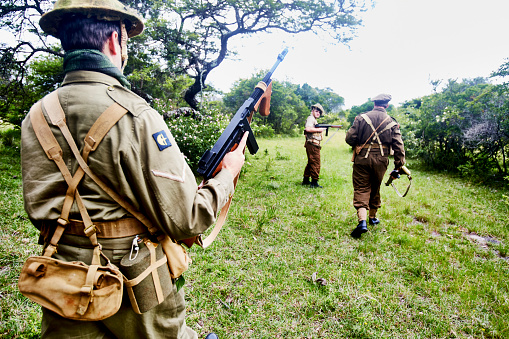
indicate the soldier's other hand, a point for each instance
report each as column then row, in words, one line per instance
column 233, row 161
column 395, row 174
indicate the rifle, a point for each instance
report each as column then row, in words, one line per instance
column 327, row 127
column 210, row 162
column 404, row 170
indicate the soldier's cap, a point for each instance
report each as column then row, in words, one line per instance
column 382, row 98
column 318, row 107
column 108, row 10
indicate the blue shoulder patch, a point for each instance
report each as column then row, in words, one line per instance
column 162, row 140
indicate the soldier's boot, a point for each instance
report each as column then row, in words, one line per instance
column 362, row 214
column 306, row 181
column 360, row 229
column 314, row 184
column 211, row 336
column 373, row 220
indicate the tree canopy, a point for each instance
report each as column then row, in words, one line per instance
column 290, row 103
column 183, row 38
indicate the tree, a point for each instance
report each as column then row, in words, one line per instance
column 184, row 37
column 20, row 17
column 464, row 128
column 330, row 101
column 288, row 109
column 196, row 35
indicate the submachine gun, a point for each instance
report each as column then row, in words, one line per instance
column 327, row 127
column 327, row 130
column 210, row 163
column 396, row 175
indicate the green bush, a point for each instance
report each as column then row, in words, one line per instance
column 195, row 135
column 263, row 131
column 10, row 137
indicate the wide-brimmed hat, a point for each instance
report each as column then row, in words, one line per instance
column 108, row 10
column 318, row 107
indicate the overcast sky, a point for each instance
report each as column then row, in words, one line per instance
column 401, row 47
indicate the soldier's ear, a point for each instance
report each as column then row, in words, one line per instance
column 112, row 46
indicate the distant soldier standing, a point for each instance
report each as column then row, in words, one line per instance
column 373, row 135
column 312, row 145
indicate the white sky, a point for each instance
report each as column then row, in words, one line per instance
column 403, row 45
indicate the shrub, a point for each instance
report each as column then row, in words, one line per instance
column 195, row 135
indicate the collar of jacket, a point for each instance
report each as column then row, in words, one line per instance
column 89, row 76
column 378, row 108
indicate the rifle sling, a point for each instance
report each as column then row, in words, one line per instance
column 407, row 189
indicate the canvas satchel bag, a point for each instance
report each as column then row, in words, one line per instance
column 72, row 290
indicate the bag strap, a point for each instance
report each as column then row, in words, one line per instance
column 220, row 221
column 54, row 152
column 102, row 125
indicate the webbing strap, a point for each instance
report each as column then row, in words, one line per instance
column 54, row 152
column 377, row 138
column 221, row 220
column 94, row 136
column 155, row 274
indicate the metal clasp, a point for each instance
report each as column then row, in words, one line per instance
column 135, row 247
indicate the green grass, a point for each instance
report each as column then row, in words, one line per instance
column 434, row 268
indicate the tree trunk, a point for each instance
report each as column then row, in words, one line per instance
column 192, row 92
column 199, row 79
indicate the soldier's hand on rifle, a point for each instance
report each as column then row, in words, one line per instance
column 395, row 174
column 233, row 161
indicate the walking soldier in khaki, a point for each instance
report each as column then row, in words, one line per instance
column 312, row 145
column 154, row 192
column 373, row 136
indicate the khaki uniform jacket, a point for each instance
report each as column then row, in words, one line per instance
column 311, row 122
column 138, row 158
column 360, row 131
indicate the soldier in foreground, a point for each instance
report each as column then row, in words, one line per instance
column 372, row 136
column 138, row 159
column 312, row 145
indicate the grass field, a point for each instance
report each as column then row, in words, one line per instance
column 285, row 266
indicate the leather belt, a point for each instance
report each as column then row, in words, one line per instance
column 109, row 229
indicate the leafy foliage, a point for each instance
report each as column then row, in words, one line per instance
column 45, row 73
column 290, row 103
column 195, row 135
column 330, row 101
column 463, row 128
